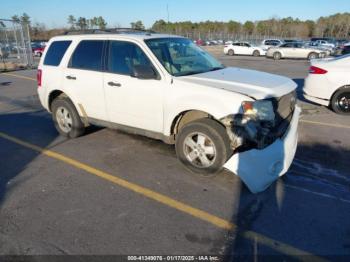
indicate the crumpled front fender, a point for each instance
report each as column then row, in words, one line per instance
column 258, row 169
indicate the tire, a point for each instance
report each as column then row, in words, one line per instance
column 256, row 53
column 231, row 52
column 312, row 55
column 277, row 55
column 190, row 146
column 340, row 102
column 70, row 125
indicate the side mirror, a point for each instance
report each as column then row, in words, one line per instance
column 143, row 72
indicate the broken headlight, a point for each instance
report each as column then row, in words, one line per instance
column 260, row 110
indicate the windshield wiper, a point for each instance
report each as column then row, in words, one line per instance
column 201, row 72
column 192, row 73
column 216, row 68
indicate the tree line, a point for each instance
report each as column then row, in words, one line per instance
column 83, row 23
column 337, row 25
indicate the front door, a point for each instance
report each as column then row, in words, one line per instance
column 131, row 101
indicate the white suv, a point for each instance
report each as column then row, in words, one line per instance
column 167, row 88
column 268, row 43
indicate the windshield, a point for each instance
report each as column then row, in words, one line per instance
column 180, row 56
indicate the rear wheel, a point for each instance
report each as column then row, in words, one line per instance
column 256, row 53
column 203, row 146
column 277, row 56
column 66, row 118
column 231, row 52
column 340, row 102
column 312, row 56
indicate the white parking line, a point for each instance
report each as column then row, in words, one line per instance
column 323, row 124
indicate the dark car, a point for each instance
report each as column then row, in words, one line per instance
column 346, row 49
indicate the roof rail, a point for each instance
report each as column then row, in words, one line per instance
column 109, row 31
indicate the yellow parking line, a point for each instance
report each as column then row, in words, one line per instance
column 324, row 124
column 133, row 187
column 200, row 214
column 19, row 76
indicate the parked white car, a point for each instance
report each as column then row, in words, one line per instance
column 268, row 43
column 167, row 88
column 328, row 83
column 294, row 50
column 243, row 48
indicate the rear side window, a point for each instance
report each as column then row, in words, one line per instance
column 88, row 55
column 55, row 53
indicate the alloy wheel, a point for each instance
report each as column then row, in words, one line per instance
column 199, row 150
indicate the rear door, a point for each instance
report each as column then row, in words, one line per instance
column 236, row 48
column 50, row 64
column 246, row 50
column 83, row 77
column 287, row 50
column 241, row 49
column 131, row 101
column 299, row 51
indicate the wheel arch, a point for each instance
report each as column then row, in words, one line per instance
column 231, row 49
column 53, row 95
column 336, row 90
column 313, row 52
column 278, row 51
column 189, row 116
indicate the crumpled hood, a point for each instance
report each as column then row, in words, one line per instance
column 256, row 84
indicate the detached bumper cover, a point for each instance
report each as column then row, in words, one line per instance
column 260, row 168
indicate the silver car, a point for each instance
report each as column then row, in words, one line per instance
column 294, row 50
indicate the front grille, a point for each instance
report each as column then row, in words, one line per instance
column 284, row 107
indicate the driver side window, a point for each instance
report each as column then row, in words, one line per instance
column 123, row 56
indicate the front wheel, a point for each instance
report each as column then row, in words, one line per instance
column 340, row 102
column 203, row 146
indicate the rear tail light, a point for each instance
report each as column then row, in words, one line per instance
column 39, row 75
column 317, row 71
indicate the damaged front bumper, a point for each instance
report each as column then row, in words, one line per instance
column 260, row 168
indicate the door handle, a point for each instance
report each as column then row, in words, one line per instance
column 71, row 77
column 114, row 84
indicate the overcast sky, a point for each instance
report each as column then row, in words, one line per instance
column 54, row 13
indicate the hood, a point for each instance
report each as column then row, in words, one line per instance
column 256, row 84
